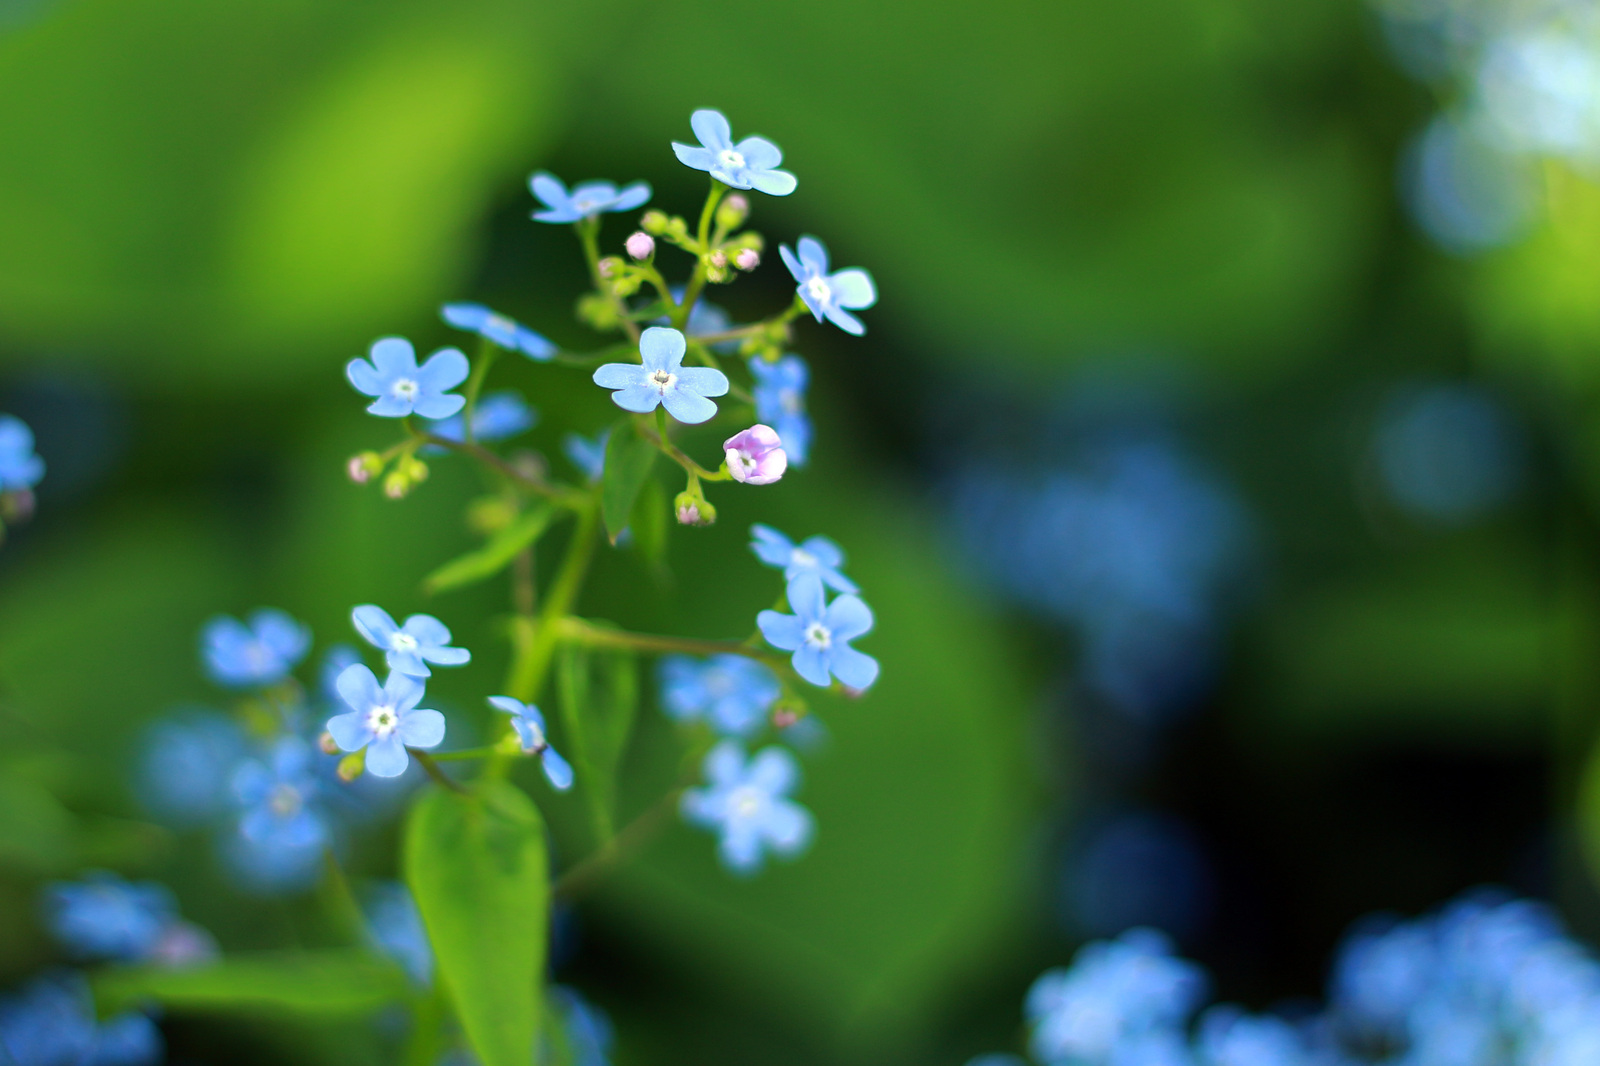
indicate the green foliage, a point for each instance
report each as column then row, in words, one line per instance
column 599, row 693
column 629, row 460
column 496, row 555
column 477, row 868
column 342, row 982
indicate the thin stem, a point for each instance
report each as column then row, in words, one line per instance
column 579, row 631
column 464, row 753
column 677, row 455
column 558, row 493
column 488, row 350
column 697, row 281
column 429, row 764
column 629, row 839
column 589, row 233
column 524, row 590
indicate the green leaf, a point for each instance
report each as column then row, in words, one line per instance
column 494, row 556
column 650, row 524
column 629, row 458
column 599, row 697
column 476, row 865
column 326, row 982
column 36, row 832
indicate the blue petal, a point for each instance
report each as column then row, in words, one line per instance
column 427, row 630
column 640, row 399
column 854, row 288
column 661, row 348
column 620, row 375
column 805, row 596
column 349, row 731
column 770, row 546
column 403, row 690
column 408, row 663
column 845, row 320
column 724, row 765
column 421, row 728
column 387, row 757
column 856, row 669
column 703, row 380
column 438, row 405
column 813, row 254
column 773, row 771
column 773, row 182
column 548, row 187
column 507, row 704
column 364, row 377
column 359, row 688
column 556, row 769
column 783, row 631
column 692, row 156
column 388, row 406
column 632, row 196
column 445, row 369
column 788, row 827
column 712, row 128
column 759, row 153
column 447, row 656
column 686, row 407
column 465, row 315
column 375, row 624
column 847, row 618
column 811, row 663
column 795, row 266
column 393, row 356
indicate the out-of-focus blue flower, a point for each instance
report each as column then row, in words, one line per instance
column 402, row 388
column 586, row 199
column 746, row 803
column 408, row 648
column 589, row 456
column 508, row 333
column 1114, row 992
column 104, row 918
column 279, row 799
column 731, row 692
column 816, row 558
column 1139, row 868
column 1539, row 89
column 1230, row 1037
column 498, row 415
column 663, row 380
column 183, row 766
column 334, row 661
column 51, row 1022
column 530, row 729
column 1447, row 452
column 20, row 468
column 384, row 719
column 819, row 634
column 586, row 1028
column 260, row 653
column 1465, row 193
column 750, row 164
column 780, row 395
column 395, row 925
column 828, row 295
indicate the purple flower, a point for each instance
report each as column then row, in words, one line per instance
column 755, row 456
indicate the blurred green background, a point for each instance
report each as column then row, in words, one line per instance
column 206, row 210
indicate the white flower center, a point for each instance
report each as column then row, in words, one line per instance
column 586, row 205
column 500, row 323
column 789, row 400
column 818, row 635
column 801, row 557
column 403, row 642
column 536, row 741
column 745, row 802
column 405, row 388
column 382, row 720
column 729, row 159
column 663, row 380
column 819, row 288
column 285, row 801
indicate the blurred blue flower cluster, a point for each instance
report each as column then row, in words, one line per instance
column 1447, row 452
column 1488, row 980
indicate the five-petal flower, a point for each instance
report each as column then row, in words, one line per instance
column 731, row 692
column 780, row 395
column 278, row 798
column 819, row 634
column 408, row 648
column 747, row 165
column 104, row 917
column 20, row 468
column 496, row 416
column 815, row 557
column 402, row 387
column 827, row 295
column 586, row 199
column 263, row 652
column 529, row 726
column 508, row 333
column 747, row 804
column 663, row 380
column 384, row 719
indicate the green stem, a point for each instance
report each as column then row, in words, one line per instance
column 439, row 776
column 677, row 455
column 589, row 234
column 697, row 281
column 464, row 753
column 488, row 351
column 579, row 631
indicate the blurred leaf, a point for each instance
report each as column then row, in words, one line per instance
column 477, row 868
column 599, row 693
column 629, row 458
column 328, row 982
column 650, row 524
column 496, row 555
column 37, row 834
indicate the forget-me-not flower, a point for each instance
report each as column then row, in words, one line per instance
column 819, row 635
column 104, row 918
column 408, row 648
column 498, row 415
column 384, row 719
column 780, row 395
column 391, row 374
column 182, row 771
column 747, row 165
column 278, row 798
column 395, row 925
column 828, row 295
column 731, row 692
column 508, row 333
column 588, row 455
column 663, row 380
column 529, row 725
column 52, row 1022
column 814, row 557
column 747, row 804
column 260, row 653
column 20, row 468
column 586, row 199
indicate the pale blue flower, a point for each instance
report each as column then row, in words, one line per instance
column 816, row 557
column 334, row 661
column 104, row 918
column 385, row 720
column 408, row 648
column 1230, row 1037
column 731, row 692
column 747, row 165
column 780, row 395
column 828, row 295
column 20, row 468
column 51, row 1022
column 819, row 634
column 585, row 200
column 280, row 807
column 587, row 1030
column 663, row 380
column 530, row 729
column 403, row 388
column 508, row 333
column 182, row 769
column 588, row 455
column 747, row 804
column 395, row 925
column 496, row 416
column 260, row 653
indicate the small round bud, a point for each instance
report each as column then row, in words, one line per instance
column 654, row 222
column 717, row 259
column 747, row 259
column 351, row 766
column 396, row 485
column 325, row 742
column 357, row 469
column 416, row 470
column 610, row 266
column 717, row 275
column 783, row 718
column 693, row 510
column 732, row 212
column 641, row 245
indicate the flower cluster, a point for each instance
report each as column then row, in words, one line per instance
column 20, row 469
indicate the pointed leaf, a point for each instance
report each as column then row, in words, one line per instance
column 599, row 693
column 629, row 458
column 297, row 982
column 494, row 556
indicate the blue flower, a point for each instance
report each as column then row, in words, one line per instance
column 384, row 720
column 183, row 764
column 403, row 388
column 279, row 802
column 104, row 918
column 780, row 395
column 423, row 637
column 589, row 456
column 663, row 380
column 334, row 661
column 816, row 557
column 585, row 200
column 529, row 725
column 261, row 653
column 51, row 1022
column 586, row 1028
column 497, row 416
column 820, row 635
column 827, row 295
column 508, row 333
column 746, row 165
column 19, row 467
column 395, row 925
column 732, row 692
column 747, row 804
column 1230, row 1037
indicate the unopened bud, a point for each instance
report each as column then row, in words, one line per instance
column 641, row 245
column 396, row 485
column 747, row 259
column 361, row 468
column 609, row 266
column 416, row 470
column 755, row 456
column 326, row 743
column 717, row 275
column 717, row 259
column 17, row 505
column 654, row 222
column 783, row 718
column 693, row 510
column 352, row 765
column 732, row 212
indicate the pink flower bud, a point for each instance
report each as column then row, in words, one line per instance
column 747, row 259
column 755, row 456
column 641, row 245
column 609, row 266
column 357, row 469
